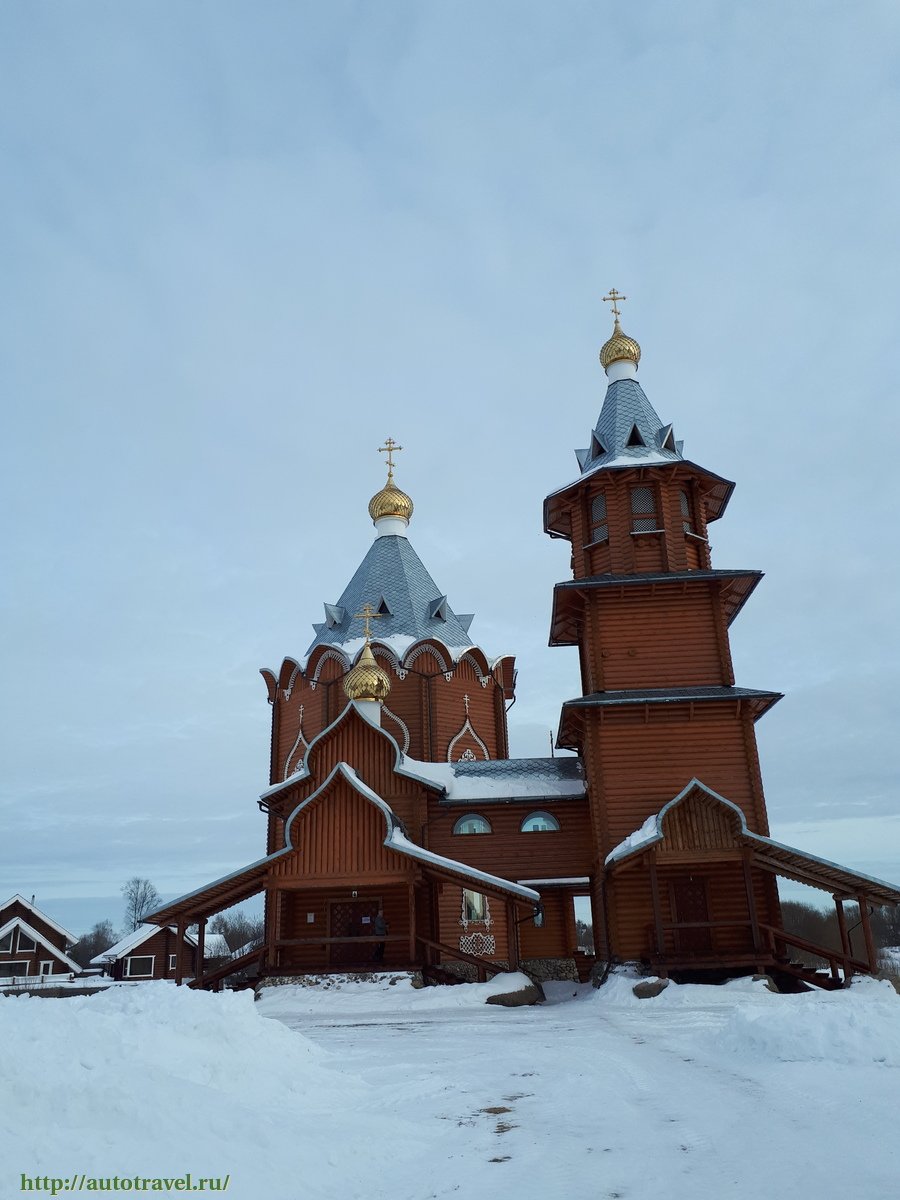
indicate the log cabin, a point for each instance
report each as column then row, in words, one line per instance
column 399, row 832
column 32, row 945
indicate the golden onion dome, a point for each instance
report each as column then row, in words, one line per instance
column 619, row 347
column 390, row 502
column 367, row 681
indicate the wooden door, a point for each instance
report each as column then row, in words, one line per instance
column 351, row 918
column 690, row 905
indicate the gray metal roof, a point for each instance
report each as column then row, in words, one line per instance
column 392, row 572
column 671, row 695
column 502, row 768
column 628, row 416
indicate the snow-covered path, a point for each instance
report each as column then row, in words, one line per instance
column 607, row 1099
column 371, row 1090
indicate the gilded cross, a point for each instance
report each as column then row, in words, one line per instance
column 614, row 297
column 389, row 448
column 368, row 614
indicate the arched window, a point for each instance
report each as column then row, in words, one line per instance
column 472, row 823
column 539, row 822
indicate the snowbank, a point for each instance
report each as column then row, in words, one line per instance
column 858, row 1026
column 158, row 1081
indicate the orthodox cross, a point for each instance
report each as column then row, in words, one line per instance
column 389, row 447
column 466, row 703
column 368, row 614
column 614, row 297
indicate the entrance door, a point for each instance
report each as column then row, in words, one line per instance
column 351, row 919
column 690, row 904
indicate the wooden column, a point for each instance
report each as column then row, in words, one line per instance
column 657, row 910
column 179, row 950
column 273, row 899
column 871, row 954
column 512, row 936
column 751, row 902
column 842, row 926
column 201, row 949
column 412, row 921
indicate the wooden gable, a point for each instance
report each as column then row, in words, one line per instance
column 339, row 835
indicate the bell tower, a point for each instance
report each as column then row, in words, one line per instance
column 649, row 614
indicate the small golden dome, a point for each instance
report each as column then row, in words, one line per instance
column 367, row 681
column 620, row 346
column 390, row 502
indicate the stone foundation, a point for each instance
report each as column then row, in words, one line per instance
column 541, row 969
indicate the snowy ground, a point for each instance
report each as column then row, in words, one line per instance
column 378, row 1091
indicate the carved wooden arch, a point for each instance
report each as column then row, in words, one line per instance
column 481, row 668
column 467, row 729
column 328, row 654
column 430, row 647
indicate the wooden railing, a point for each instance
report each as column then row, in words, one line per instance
column 214, row 978
column 779, row 940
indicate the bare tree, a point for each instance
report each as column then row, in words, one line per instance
column 238, row 928
column 141, row 897
column 100, row 938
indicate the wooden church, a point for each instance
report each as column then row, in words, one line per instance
column 401, row 834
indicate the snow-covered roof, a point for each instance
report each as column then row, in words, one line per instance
column 651, row 833
column 399, row 841
column 71, row 939
column 38, row 937
column 393, row 579
column 131, row 941
column 215, row 946
column 504, row 779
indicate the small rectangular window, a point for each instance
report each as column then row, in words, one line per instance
column 173, row 958
column 686, row 512
column 474, row 906
column 139, row 967
column 9, row 969
column 46, row 966
column 599, row 525
column 643, row 510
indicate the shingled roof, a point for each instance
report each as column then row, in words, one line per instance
column 393, row 579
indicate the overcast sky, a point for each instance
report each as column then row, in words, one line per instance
column 244, row 242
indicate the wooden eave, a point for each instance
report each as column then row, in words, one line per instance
column 715, row 490
column 567, row 617
column 216, row 896
column 574, row 712
column 786, row 861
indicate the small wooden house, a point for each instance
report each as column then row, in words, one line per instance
column 400, row 833
column 150, row 952
column 32, row 945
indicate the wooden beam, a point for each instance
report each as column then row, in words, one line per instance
column 512, row 936
column 657, row 910
column 179, row 953
column 867, row 933
column 201, row 949
column 842, row 926
column 751, row 902
column 412, row 922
